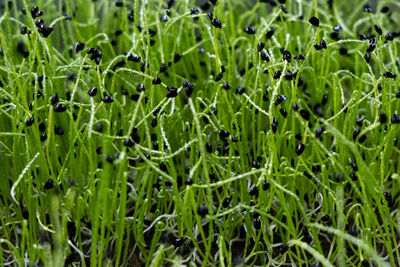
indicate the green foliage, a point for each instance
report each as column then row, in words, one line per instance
column 242, row 152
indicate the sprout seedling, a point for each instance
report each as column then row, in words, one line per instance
column 199, row 133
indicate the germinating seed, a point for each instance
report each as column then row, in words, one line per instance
column 216, row 23
column 60, row 108
column 226, row 86
column 356, row 132
column 314, row 21
column 270, row 33
column 202, row 210
column 274, row 125
column 264, row 56
column 299, row 149
column 240, row 90
column 107, row 98
column 317, row 46
column 134, row 58
column 318, row 110
column 390, row 75
column 299, row 57
column 265, row 185
column 288, row 75
column 277, row 74
column 378, row 29
column 225, row 203
column 383, row 118
column 58, row 130
column 209, row 148
column 177, row 57
column 367, row 8
column 29, row 121
column 164, row 18
column 129, row 142
column 98, row 127
column 395, row 118
column 260, row 46
column 163, row 167
column 319, row 131
column 385, row 9
column 223, row 134
column 172, row 92
column 79, row 47
column 120, row 63
column 214, row 2
column 367, row 57
column 337, row 28
column 156, row 80
column 287, row 56
column 43, row 137
column 253, row 191
column 390, row 36
column 24, row 30
column 389, row 199
column 283, row 112
column 305, row 114
column 324, row 99
column 35, row 12
column 257, row 223
column 354, row 166
column 256, row 164
column 92, row 92
column 250, row 30
column 178, row 242
column 323, row 44
column 371, row 48
column 42, row 127
column 49, row 184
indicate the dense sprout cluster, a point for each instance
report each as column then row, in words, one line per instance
column 232, row 133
